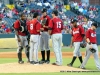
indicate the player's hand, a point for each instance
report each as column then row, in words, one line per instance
column 71, row 46
column 44, row 26
column 42, row 29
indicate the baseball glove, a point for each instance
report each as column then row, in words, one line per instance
column 43, row 21
column 83, row 45
column 92, row 50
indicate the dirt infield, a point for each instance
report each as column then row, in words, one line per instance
column 14, row 54
column 28, row 68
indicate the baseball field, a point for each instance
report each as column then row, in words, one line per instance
column 9, row 65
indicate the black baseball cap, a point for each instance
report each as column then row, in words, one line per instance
column 44, row 10
column 94, row 24
column 55, row 12
column 73, row 21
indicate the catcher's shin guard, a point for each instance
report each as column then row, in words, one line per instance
column 20, row 54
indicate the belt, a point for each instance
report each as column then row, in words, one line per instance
column 93, row 43
column 34, row 34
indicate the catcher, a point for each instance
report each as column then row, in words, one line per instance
column 91, row 47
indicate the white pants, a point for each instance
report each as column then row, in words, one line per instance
column 87, row 56
column 57, row 40
column 34, row 46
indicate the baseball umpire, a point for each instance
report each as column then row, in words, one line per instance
column 77, row 37
column 91, row 47
column 44, row 38
column 21, row 36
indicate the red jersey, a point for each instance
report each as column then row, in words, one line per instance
column 47, row 21
column 17, row 26
column 34, row 26
column 56, row 25
column 77, row 34
column 91, row 34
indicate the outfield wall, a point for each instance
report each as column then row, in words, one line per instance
column 9, row 41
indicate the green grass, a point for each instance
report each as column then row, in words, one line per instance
column 90, row 64
column 64, row 49
column 82, row 73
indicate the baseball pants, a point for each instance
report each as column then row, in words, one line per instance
column 44, row 41
column 34, row 46
column 87, row 55
column 23, row 42
column 76, row 51
column 56, row 41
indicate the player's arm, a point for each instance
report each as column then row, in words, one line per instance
column 48, row 19
column 38, row 27
column 87, row 38
column 16, row 27
column 83, row 33
column 50, row 27
column 71, row 44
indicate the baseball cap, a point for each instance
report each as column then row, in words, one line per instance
column 44, row 10
column 55, row 12
column 95, row 24
column 74, row 20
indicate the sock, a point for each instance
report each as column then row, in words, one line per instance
column 20, row 56
column 80, row 58
column 43, row 55
column 48, row 55
column 74, row 58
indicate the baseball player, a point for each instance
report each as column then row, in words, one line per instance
column 55, row 28
column 44, row 38
column 21, row 36
column 91, row 43
column 34, row 30
column 77, row 37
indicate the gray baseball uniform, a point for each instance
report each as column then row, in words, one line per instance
column 91, row 35
column 44, row 40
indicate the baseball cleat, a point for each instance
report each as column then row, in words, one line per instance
column 82, row 67
column 20, row 62
column 36, row 63
column 41, row 62
column 47, row 62
column 55, row 64
column 32, row 62
column 70, row 65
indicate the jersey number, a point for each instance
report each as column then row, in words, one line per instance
column 31, row 26
column 58, row 24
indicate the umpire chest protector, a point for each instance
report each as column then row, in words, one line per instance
column 23, row 26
